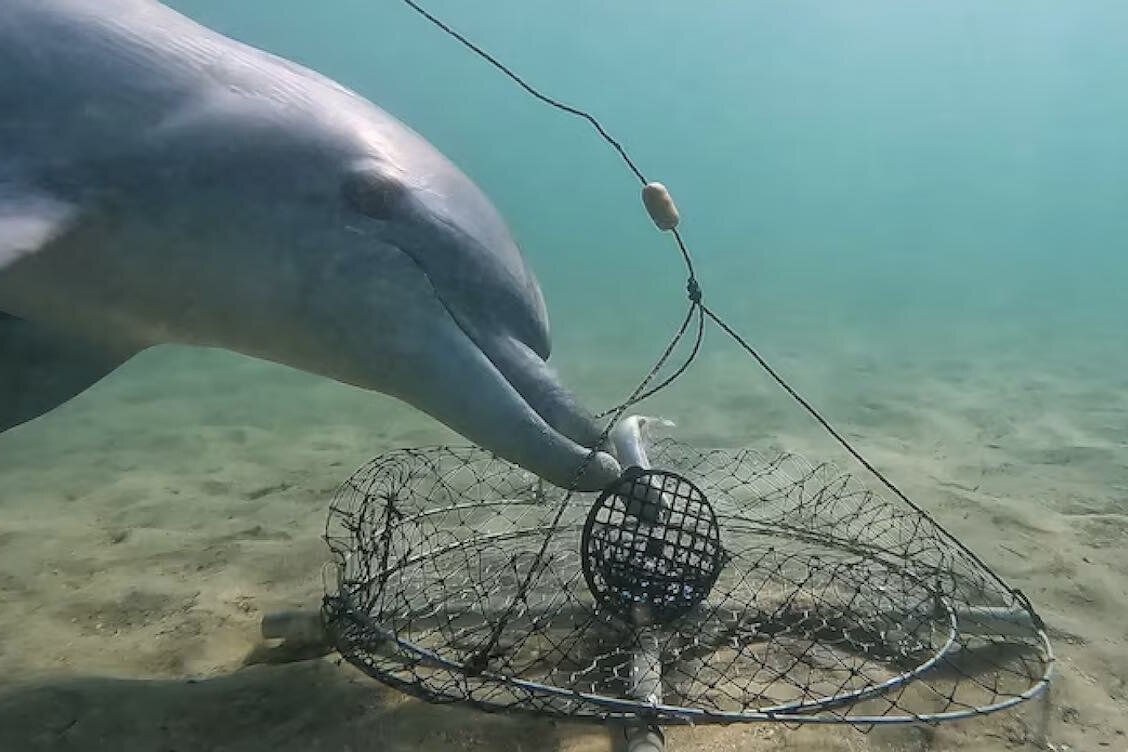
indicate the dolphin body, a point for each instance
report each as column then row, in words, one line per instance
column 162, row 183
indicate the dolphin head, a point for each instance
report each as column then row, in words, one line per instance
column 378, row 263
column 479, row 356
column 218, row 195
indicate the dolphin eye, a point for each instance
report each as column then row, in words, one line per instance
column 372, row 193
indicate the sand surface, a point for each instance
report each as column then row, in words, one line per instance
column 147, row 526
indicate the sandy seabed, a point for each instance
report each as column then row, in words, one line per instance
column 147, row 526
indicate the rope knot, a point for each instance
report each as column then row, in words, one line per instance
column 694, row 290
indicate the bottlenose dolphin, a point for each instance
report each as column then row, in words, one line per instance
column 162, row 183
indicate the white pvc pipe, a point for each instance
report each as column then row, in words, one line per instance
column 296, row 627
column 628, row 441
column 646, row 662
column 646, row 669
column 995, row 621
column 645, row 739
column 646, row 685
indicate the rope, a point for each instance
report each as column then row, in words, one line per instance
column 521, row 82
column 693, row 291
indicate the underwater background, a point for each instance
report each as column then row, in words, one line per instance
column 917, row 212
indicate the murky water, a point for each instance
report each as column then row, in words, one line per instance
column 915, row 211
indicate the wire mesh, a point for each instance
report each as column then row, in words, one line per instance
column 456, row 581
column 651, row 547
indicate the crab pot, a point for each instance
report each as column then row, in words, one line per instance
column 762, row 588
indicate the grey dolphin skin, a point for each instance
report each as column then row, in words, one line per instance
column 162, row 183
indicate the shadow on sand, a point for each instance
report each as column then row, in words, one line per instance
column 313, row 706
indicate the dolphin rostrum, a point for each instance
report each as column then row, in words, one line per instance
column 162, row 183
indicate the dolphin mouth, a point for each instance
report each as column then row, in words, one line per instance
column 510, row 401
column 541, row 388
column 520, row 356
column 506, row 398
column 537, row 384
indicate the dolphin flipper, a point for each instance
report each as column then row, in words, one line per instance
column 40, row 369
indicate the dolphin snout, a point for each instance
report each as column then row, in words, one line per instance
column 506, row 399
column 532, row 377
column 481, row 351
column 488, row 386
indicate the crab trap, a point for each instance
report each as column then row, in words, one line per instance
column 703, row 586
column 725, row 587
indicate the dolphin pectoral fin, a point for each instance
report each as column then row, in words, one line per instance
column 29, row 221
column 40, row 369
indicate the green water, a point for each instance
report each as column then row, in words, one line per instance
column 917, row 211
column 920, row 176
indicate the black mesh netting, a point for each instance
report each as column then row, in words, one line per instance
column 796, row 594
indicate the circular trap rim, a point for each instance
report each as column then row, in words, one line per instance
column 337, row 612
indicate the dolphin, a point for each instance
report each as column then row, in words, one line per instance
column 163, row 183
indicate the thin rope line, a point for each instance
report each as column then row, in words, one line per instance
column 692, row 286
column 694, row 292
column 801, row 400
column 857, row 455
column 698, row 338
column 527, row 87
